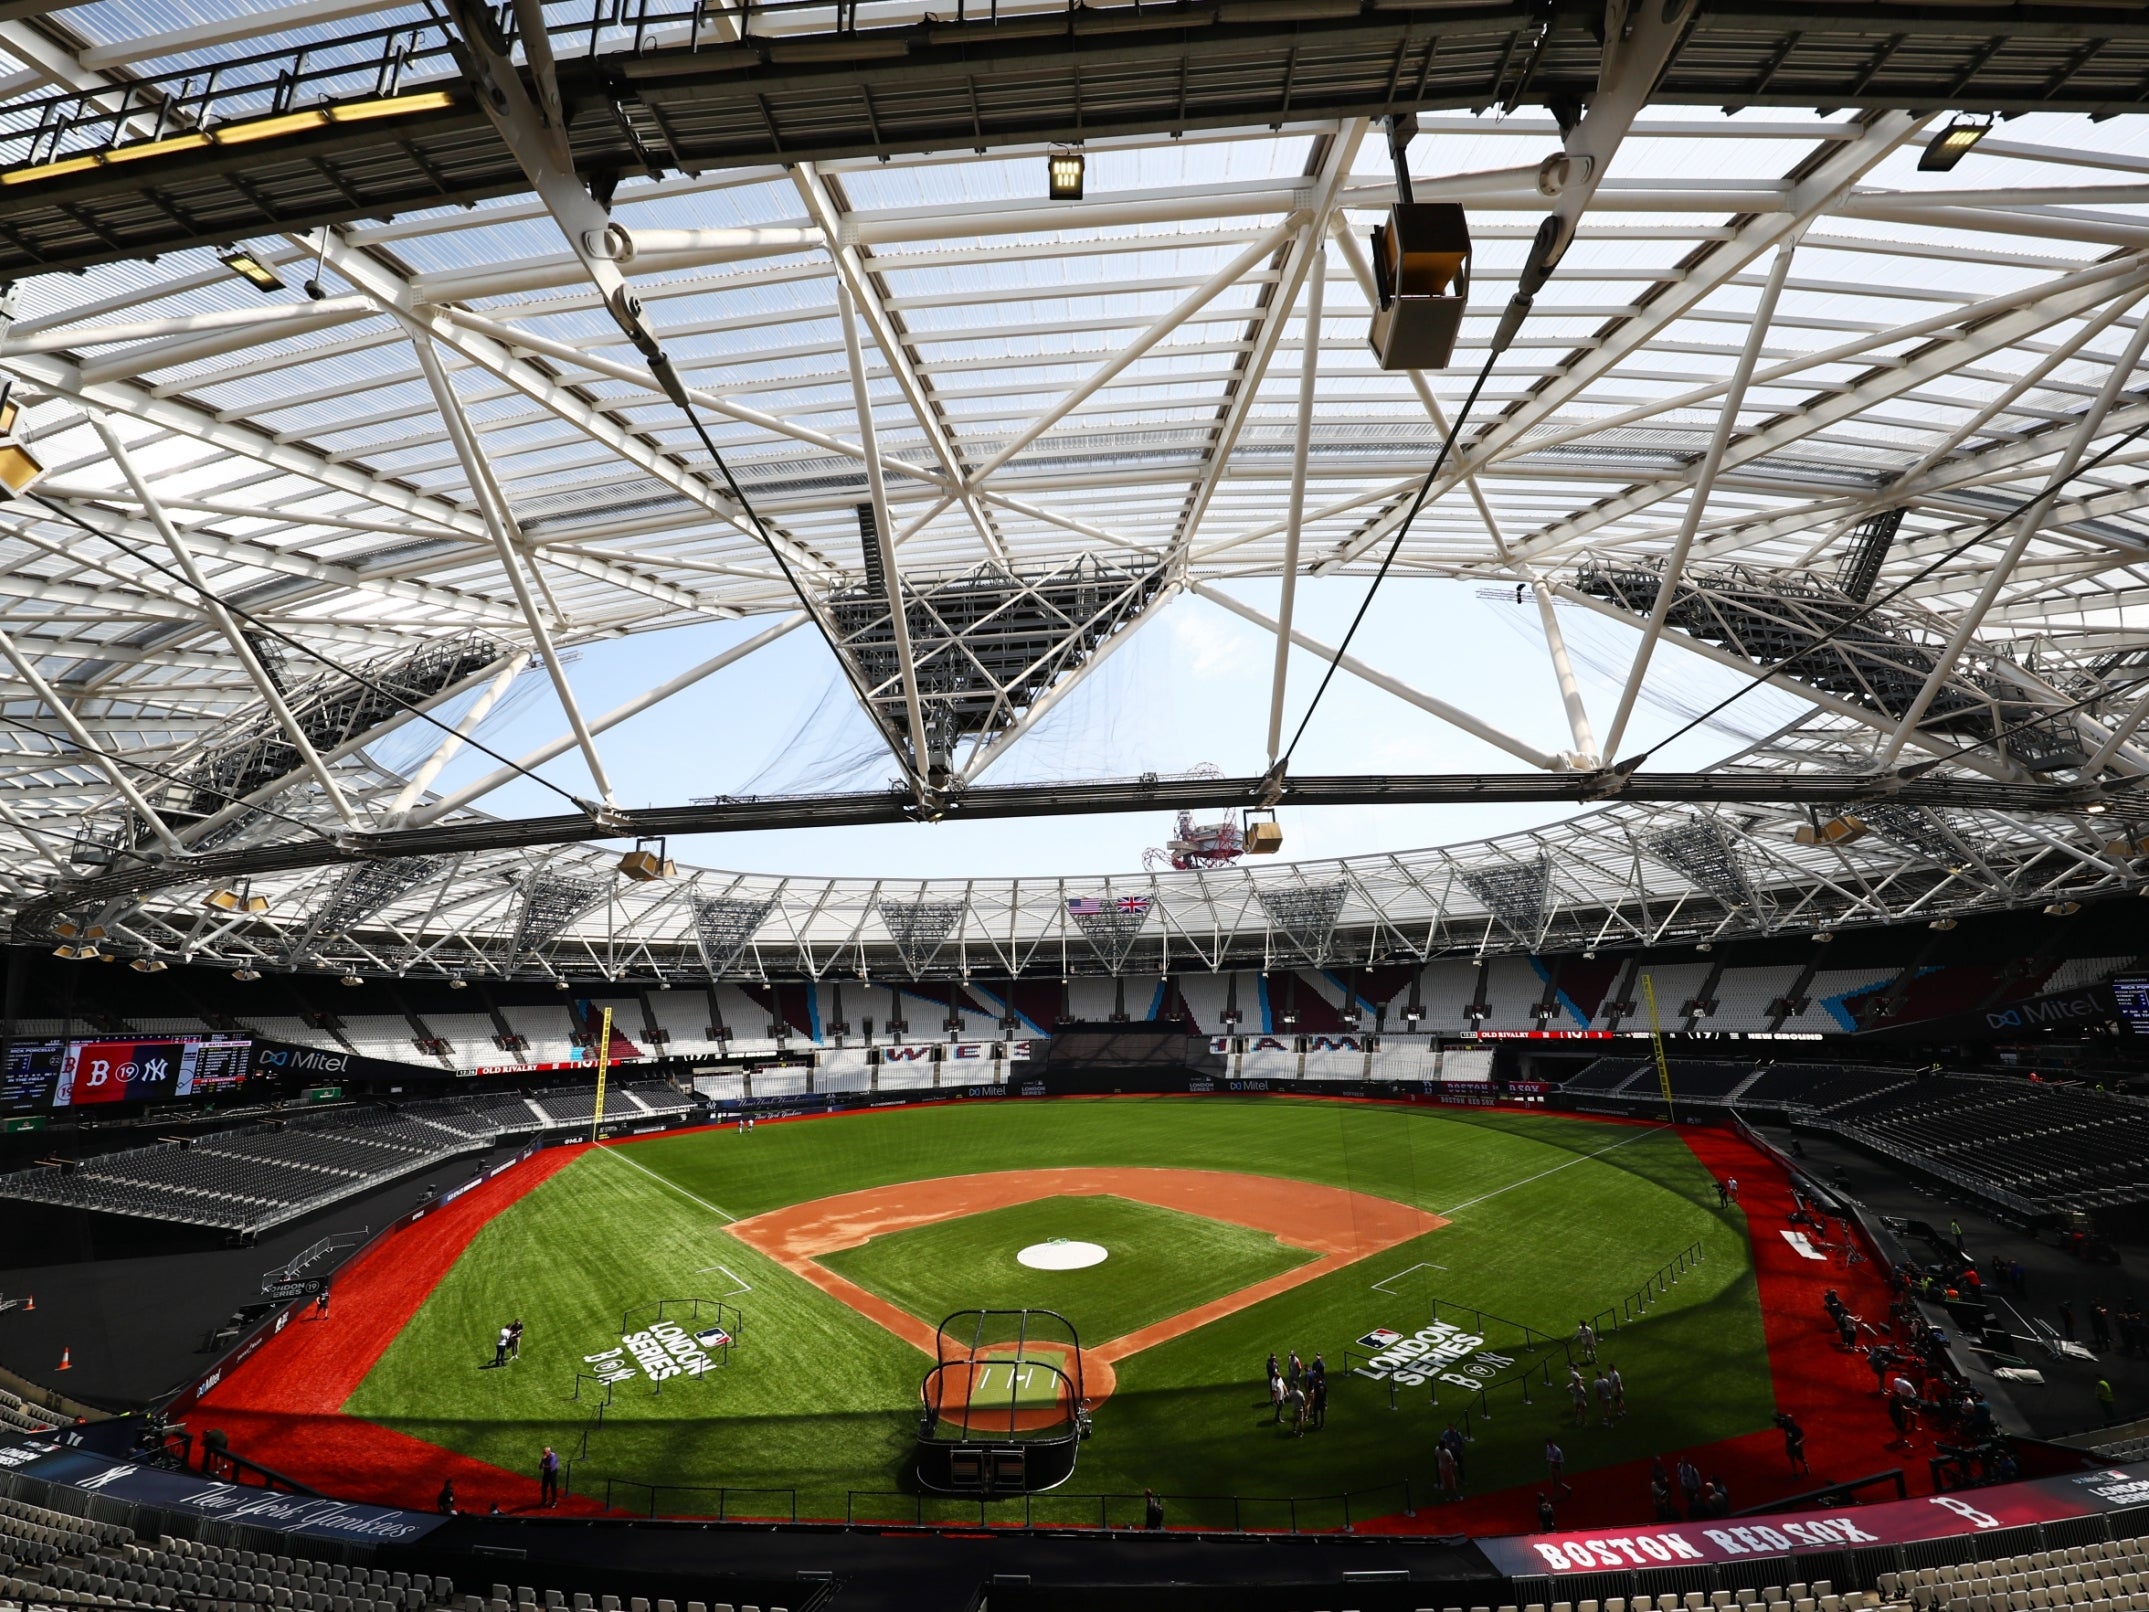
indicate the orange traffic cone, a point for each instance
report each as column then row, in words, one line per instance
column 63, row 1365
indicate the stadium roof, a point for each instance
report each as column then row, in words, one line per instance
column 334, row 329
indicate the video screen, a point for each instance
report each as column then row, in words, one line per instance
column 76, row 1074
column 2131, row 993
column 32, row 1067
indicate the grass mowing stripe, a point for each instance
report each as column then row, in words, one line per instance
column 665, row 1180
column 1579, row 1158
column 819, row 1399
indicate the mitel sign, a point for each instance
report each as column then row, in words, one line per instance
column 2073, row 1007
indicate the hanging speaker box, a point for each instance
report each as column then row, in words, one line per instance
column 19, row 469
column 1421, row 275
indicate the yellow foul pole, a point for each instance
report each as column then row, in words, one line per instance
column 604, row 1059
column 1656, row 1041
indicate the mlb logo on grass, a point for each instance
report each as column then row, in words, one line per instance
column 1380, row 1338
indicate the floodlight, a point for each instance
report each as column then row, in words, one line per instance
column 1942, row 924
column 1704, row 945
column 1953, row 143
column 246, row 973
column 2096, row 808
column 149, row 965
column 1822, row 937
column 352, row 979
column 2062, row 909
column 250, row 269
column 19, row 467
column 1421, row 278
column 458, row 984
column 643, row 864
column 241, row 900
column 1063, row 174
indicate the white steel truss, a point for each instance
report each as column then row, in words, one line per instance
column 1767, row 329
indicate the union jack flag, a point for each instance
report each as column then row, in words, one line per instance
column 1092, row 906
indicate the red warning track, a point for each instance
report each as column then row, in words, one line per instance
column 1829, row 1389
column 284, row 1407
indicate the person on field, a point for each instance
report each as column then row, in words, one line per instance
column 1547, row 1520
column 1556, row 1466
column 514, row 1340
column 1277, row 1392
column 1794, row 1442
column 1585, row 1338
column 1619, row 1394
column 548, row 1477
column 499, row 1348
column 1297, row 1401
column 1451, row 1477
column 1578, row 1393
column 1319, row 1401
column 1294, row 1371
column 1152, row 1510
column 1602, row 1388
column 445, row 1503
column 1690, row 1486
column 320, row 1305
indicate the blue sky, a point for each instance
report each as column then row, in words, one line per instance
column 1191, row 687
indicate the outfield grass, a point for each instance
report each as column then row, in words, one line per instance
column 1160, row 1262
column 1550, row 1218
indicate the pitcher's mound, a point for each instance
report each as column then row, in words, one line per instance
column 1061, row 1254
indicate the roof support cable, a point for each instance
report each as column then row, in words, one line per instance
column 1627, row 768
column 1545, row 250
column 215, row 601
column 667, row 377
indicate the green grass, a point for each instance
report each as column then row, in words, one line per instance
column 1550, row 1219
column 1160, row 1262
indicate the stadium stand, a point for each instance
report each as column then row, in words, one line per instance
column 1512, row 988
column 50, row 1558
column 1607, row 1075
column 255, row 1177
column 2028, row 1145
column 1746, row 997
column 547, row 1033
column 18, row 1415
column 2109, row 1574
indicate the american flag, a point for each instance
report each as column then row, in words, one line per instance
column 1092, row 906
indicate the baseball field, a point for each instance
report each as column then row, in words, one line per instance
column 739, row 1323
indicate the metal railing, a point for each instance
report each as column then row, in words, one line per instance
column 1339, row 1512
column 381, row 62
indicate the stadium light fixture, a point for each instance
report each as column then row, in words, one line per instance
column 1822, row 937
column 1954, row 143
column 351, row 979
column 647, row 862
column 149, row 965
column 250, row 269
column 1942, row 924
column 246, row 973
column 2062, row 909
column 2096, row 808
column 458, row 984
column 1063, row 176
column 241, row 900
